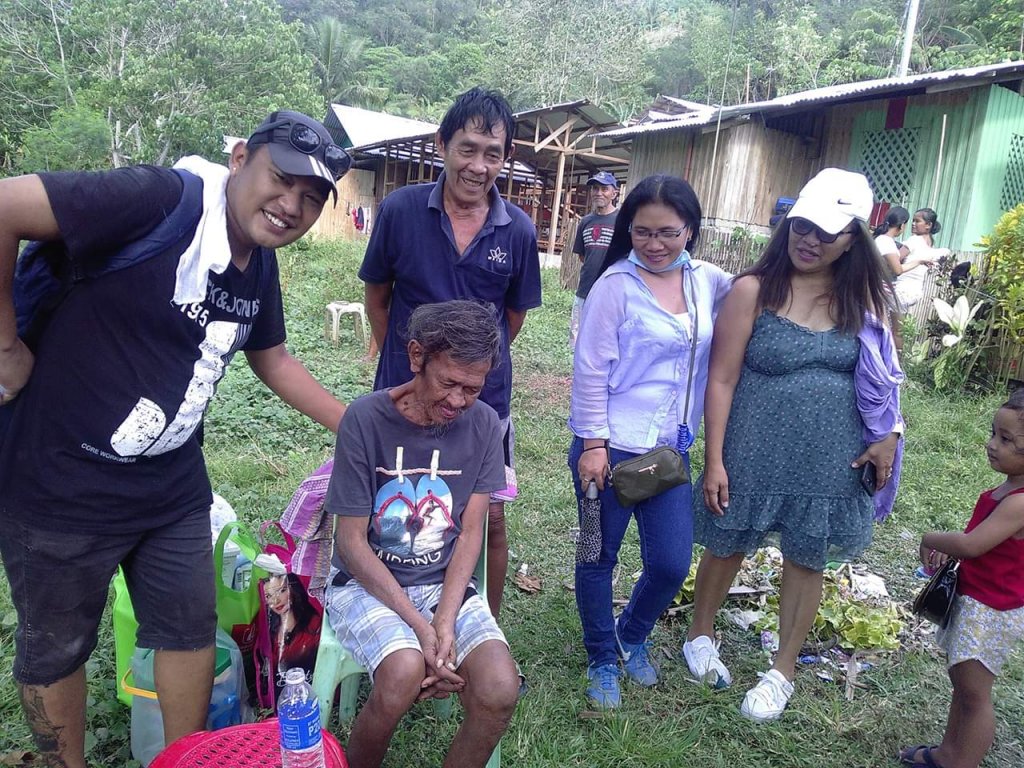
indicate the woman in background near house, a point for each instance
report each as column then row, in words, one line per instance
column 889, row 247
column 803, row 394
column 639, row 374
column 894, row 253
column 921, row 254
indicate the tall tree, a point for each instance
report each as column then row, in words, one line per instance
column 339, row 56
column 169, row 78
column 549, row 51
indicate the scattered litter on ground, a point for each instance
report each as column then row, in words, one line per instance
column 529, row 584
column 743, row 618
column 856, row 610
column 868, row 585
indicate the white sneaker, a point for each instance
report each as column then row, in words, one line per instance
column 768, row 699
column 705, row 665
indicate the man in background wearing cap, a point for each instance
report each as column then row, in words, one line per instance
column 457, row 239
column 593, row 235
column 101, row 464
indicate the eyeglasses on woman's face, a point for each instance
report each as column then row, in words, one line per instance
column 803, row 227
column 662, row 235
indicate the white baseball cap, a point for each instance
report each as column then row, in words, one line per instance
column 834, row 198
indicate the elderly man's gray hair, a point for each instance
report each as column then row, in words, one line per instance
column 467, row 330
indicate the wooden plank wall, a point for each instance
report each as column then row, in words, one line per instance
column 354, row 190
column 756, row 165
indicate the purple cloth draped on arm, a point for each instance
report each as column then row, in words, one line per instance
column 877, row 379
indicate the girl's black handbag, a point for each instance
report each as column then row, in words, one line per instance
column 935, row 600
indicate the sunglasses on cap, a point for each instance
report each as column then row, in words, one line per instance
column 804, row 227
column 307, row 141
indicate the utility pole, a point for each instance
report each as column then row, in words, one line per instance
column 908, row 38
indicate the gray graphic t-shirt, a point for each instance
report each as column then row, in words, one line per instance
column 412, row 482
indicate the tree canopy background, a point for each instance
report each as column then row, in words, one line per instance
column 101, row 83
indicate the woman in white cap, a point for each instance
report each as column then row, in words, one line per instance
column 802, row 394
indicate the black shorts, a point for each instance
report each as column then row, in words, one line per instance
column 59, row 583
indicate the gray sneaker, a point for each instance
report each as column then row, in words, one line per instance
column 705, row 665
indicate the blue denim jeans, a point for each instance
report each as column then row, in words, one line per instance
column 665, row 525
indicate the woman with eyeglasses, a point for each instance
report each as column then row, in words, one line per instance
column 639, row 375
column 803, row 394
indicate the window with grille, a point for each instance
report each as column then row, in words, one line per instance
column 888, row 160
column 1013, row 182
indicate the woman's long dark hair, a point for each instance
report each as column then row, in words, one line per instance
column 660, row 188
column 896, row 217
column 301, row 608
column 858, row 280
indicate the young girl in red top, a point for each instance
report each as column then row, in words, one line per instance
column 988, row 616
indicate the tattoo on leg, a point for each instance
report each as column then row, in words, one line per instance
column 46, row 735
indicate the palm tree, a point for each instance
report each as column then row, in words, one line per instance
column 338, row 55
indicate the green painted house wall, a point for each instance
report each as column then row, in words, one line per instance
column 959, row 158
column 1004, row 118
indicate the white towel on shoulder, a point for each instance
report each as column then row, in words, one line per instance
column 209, row 249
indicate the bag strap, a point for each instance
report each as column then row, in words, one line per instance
column 289, row 541
column 218, row 548
column 695, row 313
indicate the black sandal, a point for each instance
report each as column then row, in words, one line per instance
column 907, row 756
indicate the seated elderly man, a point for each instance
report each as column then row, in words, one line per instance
column 414, row 467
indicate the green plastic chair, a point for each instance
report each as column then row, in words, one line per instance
column 334, row 667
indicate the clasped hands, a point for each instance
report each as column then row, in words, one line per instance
column 437, row 642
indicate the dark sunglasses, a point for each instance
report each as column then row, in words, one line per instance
column 306, row 140
column 804, row 227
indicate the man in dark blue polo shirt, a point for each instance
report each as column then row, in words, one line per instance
column 457, row 239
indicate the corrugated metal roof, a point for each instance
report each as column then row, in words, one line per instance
column 364, row 126
column 949, row 79
column 590, row 120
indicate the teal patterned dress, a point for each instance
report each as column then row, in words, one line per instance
column 793, row 431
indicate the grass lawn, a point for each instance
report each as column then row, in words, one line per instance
column 258, row 451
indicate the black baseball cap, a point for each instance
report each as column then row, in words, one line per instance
column 301, row 146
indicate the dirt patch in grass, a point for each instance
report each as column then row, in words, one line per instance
column 542, row 390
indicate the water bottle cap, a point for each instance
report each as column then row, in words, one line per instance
column 295, row 675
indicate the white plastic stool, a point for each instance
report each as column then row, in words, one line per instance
column 332, row 319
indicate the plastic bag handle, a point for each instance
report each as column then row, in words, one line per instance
column 289, row 540
column 218, row 549
column 131, row 689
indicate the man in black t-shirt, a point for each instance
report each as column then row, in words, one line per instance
column 101, row 464
column 593, row 236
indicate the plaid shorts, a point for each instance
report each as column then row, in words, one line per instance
column 371, row 631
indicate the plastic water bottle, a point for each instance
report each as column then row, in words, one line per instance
column 243, row 573
column 298, row 715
